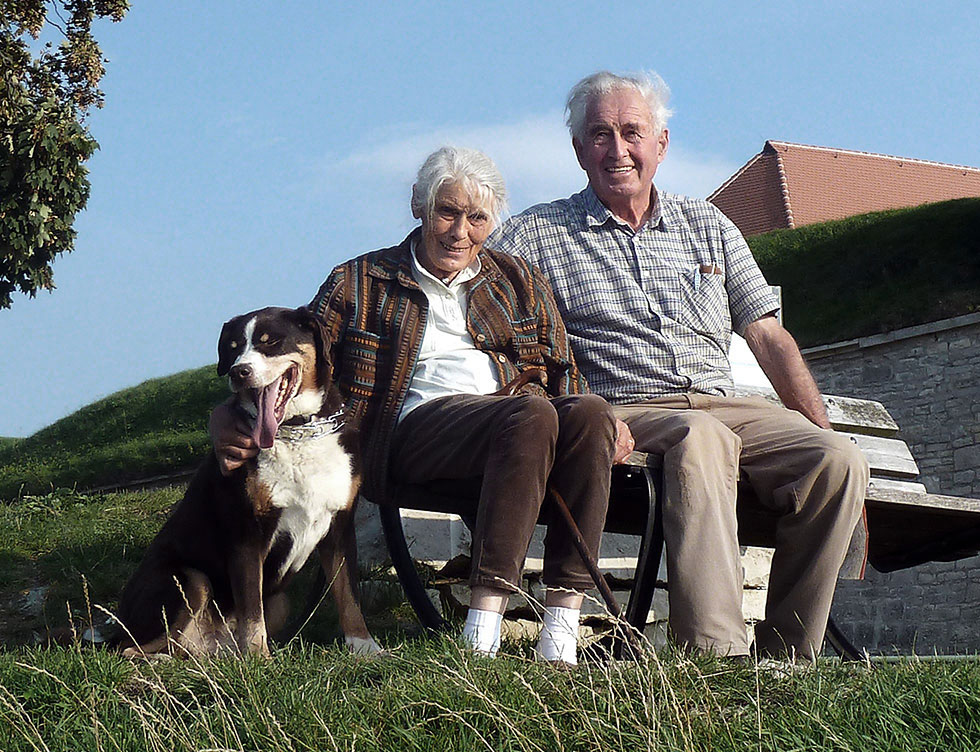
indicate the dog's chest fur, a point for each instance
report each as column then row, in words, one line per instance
column 308, row 481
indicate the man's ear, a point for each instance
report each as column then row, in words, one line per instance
column 662, row 143
column 577, row 146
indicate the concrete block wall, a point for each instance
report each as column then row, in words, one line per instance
column 928, row 378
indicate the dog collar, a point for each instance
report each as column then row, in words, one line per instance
column 312, row 429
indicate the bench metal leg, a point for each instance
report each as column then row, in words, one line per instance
column 648, row 558
column 408, row 575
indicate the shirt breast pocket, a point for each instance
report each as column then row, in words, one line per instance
column 704, row 303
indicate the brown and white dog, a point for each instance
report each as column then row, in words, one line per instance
column 213, row 578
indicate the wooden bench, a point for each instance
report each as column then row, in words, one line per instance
column 907, row 525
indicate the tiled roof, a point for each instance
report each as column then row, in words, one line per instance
column 791, row 185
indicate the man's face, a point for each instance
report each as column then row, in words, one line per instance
column 454, row 234
column 620, row 149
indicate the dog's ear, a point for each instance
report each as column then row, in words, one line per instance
column 225, row 355
column 321, row 339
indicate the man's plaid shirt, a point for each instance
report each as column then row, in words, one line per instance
column 649, row 312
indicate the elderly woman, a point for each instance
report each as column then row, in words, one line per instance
column 423, row 333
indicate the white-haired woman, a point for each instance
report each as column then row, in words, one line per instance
column 423, row 333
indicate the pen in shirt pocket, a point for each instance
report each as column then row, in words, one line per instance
column 704, row 270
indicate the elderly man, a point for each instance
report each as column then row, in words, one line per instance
column 421, row 336
column 651, row 286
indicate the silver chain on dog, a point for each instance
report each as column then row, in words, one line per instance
column 313, row 429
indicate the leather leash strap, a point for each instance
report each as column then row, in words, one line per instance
column 509, row 390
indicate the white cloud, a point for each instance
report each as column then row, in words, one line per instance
column 692, row 173
column 534, row 154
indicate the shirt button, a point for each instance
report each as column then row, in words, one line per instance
column 501, row 357
column 481, row 338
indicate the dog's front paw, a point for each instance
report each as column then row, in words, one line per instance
column 253, row 642
column 363, row 646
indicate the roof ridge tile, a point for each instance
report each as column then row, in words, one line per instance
column 876, row 155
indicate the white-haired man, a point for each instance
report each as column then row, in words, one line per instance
column 650, row 286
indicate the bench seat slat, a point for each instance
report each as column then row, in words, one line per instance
column 845, row 413
column 887, row 458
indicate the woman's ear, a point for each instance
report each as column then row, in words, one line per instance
column 416, row 203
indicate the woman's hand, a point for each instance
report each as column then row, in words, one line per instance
column 231, row 438
column 624, row 442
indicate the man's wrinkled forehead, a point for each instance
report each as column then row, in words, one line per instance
column 620, row 107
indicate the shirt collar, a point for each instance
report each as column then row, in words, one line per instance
column 597, row 214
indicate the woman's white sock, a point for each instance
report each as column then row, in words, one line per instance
column 559, row 635
column 482, row 631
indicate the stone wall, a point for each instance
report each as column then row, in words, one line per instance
column 928, row 378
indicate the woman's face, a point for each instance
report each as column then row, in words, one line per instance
column 454, row 234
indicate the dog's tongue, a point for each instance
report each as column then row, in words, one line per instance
column 266, row 423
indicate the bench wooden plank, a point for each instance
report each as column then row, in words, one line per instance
column 886, row 497
column 895, row 483
column 859, row 416
column 847, row 414
column 888, row 458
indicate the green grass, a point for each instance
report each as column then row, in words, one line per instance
column 58, row 545
column 875, row 272
column 156, row 427
column 427, row 695
column 78, row 550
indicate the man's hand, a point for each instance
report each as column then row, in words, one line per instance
column 624, row 442
column 231, row 438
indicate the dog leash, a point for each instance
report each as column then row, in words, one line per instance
column 590, row 564
column 510, row 389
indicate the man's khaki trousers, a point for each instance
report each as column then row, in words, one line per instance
column 813, row 478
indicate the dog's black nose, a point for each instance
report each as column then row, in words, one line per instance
column 240, row 372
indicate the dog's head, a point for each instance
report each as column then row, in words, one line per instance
column 275, row 363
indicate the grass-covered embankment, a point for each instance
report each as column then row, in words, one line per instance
column 850, row 278
column 425, row 696
column 875, row 272
column 159, row 426
column 429, row 696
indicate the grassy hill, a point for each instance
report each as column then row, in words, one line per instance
column 845, row 279
column 156, row 427
column 875, row 272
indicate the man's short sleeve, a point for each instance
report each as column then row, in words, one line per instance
column 749, row 295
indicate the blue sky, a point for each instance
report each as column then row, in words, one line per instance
column 247, row 147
